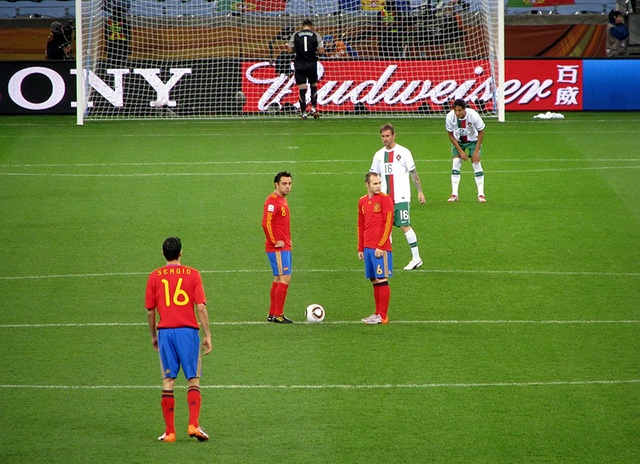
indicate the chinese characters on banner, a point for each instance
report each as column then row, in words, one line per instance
column 533, row 85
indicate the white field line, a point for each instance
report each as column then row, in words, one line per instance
column 241, row 323
column 495, row 133
column 338, row 386
column 278, row 162
column 417, row 271
column 278, row 122
column 218, row 174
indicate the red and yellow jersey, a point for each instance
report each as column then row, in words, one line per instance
column 174, row 290
column 375, row 219
column 276, row 223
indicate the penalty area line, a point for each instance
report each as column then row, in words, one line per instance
column 337, row 386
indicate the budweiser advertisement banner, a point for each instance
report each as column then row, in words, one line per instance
column 253, row 87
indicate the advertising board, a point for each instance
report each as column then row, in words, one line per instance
column 201, row 87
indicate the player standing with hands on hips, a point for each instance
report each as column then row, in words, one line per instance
column 174, row 290
column 306, row 43
column 276, row 224
column 375, row 220
column 394, row 163
column 466, row 132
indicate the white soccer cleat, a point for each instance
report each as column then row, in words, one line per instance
column 482, row 199
column 303, row 116
column 413, row 264
column 453, row 198
column 373, row 319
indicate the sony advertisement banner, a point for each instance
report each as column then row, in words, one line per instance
column 233, row 87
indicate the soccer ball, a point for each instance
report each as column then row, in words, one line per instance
column 314, row 313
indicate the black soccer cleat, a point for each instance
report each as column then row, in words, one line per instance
column 281, row 319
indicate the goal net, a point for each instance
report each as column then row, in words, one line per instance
column 228, row 58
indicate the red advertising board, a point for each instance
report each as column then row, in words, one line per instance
column 531, row 85
column 534, row 85
column 380, row 85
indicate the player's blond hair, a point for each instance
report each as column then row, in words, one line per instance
column 388, row 127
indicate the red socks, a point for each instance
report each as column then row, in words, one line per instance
column 272, row 306
column 278, row 296
column 168, row 404
column 382, row 295
column 194, row 399
column 281, row 296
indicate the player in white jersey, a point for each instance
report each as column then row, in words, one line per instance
column 466, row 132
column 394, row 164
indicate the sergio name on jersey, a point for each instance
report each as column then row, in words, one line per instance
column 464, row 130
column 394, row 166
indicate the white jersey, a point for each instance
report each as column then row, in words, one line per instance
column 393, row 166
column 466, row 129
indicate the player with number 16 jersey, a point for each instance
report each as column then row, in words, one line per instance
column 174, row 289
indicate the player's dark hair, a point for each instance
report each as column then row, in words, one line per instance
column 307, row 22
column 459, row 102
column 386, row 127
column 171, row 248
column 369, row 175
column 281, row 174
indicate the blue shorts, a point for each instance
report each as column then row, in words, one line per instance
column 179, row 347
column 377, row 268
column 280, row 262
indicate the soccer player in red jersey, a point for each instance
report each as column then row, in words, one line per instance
column 375, row 220
column 173, row 290
column 277, row 229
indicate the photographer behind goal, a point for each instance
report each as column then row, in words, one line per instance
column 59, row 42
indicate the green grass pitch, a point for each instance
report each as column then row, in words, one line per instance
column 518, row 341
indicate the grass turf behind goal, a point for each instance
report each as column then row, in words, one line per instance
column 517, row 341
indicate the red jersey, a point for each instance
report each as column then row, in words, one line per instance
column 173, row 290
column 276, row 223
column 375, row 219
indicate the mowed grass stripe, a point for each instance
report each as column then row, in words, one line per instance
column 315, row 161
column 340, row 386
column 349, row 173
column 132, row 324
column 415, row 271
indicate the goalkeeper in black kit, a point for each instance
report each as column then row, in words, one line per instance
column 307, row 44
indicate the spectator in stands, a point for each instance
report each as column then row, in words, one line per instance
column 390, row 36
column 282, row 61
column 617, row 35
column 338, row 48
column 59, row 42
column 117, row 31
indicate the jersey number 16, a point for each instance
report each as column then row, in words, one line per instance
column 180, row 297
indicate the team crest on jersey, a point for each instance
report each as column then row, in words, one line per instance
column 398, row 157
column 376, row 207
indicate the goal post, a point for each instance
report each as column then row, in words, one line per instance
column 199, row 59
